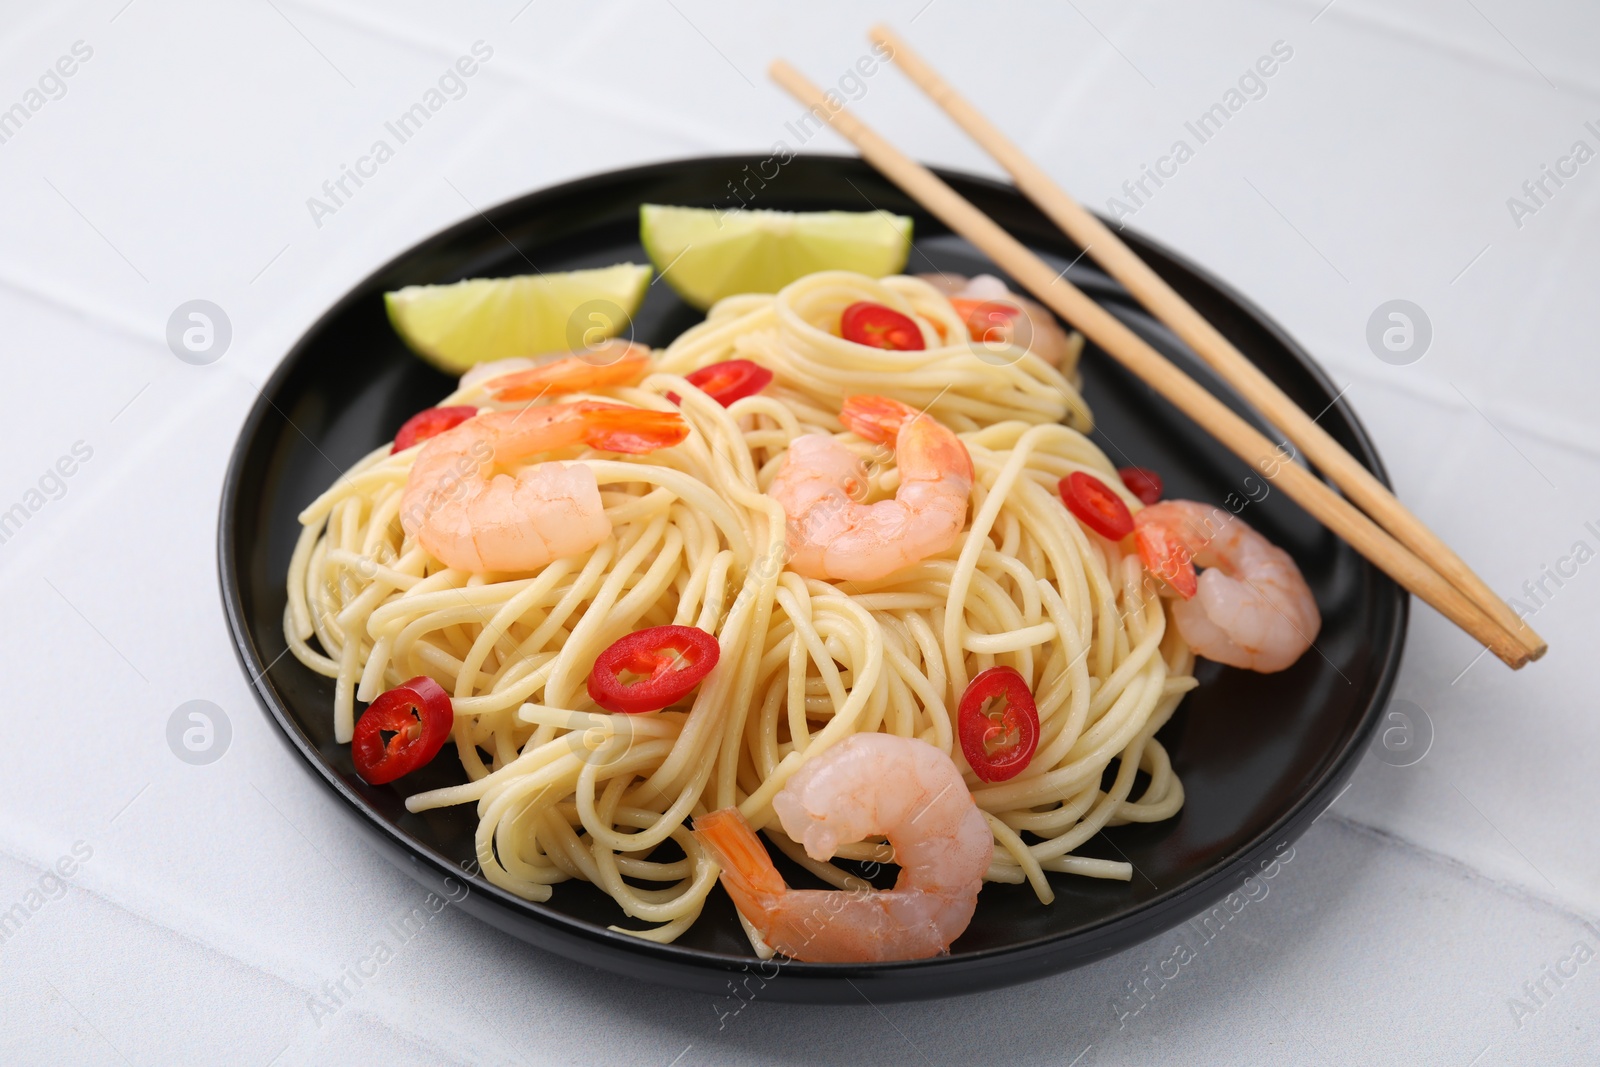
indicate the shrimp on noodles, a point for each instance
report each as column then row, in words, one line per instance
column 995, row 314
column 472, row 519
column 527, row 378
column 1250, row 607
column 900, row 787
column 834, row 536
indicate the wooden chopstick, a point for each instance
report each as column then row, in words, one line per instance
column 1393, row 558
column 1123, row 264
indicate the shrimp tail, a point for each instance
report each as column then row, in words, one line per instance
column 875, row 418
column 1165, row 555
column 607, row 364
column 924, row 448
column 619, row 428
column 747, row 871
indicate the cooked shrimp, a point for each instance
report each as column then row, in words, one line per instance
column 902, row 788
column 522, row 378
column 994, row 313
column 1250, row 608
column 835, row 536
column 496, row 368
column 472, row 519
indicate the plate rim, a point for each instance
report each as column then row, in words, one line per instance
column 1191, row 897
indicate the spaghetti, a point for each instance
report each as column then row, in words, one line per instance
column 565, row 790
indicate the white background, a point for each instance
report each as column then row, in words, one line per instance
column 177, row 166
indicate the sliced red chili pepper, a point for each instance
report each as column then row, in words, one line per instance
column 1142, row 482
column 652, row 669
column 1166, row 557
column 1096, row 506
column 999, row 724
column 418, row 717
column 730, row 380
column 430, row 422
column 877, row 326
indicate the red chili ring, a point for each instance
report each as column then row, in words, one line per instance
column 998, row 741
column 652, row 669
column 1142, row 482
column 877, row 326
column 1096, row 505
column 419, row 716
column 730, row 380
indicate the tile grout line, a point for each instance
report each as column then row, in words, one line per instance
column 1465, row 870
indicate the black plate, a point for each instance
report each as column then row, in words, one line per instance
column 1260, row 755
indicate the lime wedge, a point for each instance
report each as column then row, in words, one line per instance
column 707, row 254
column 456, row 326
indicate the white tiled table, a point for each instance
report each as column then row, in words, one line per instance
column 207, row 905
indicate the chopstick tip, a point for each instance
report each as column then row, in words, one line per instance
column 1516, row 657
column 783, row 72
column 891, row 43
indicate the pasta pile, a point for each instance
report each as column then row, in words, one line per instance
column 564, row 790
